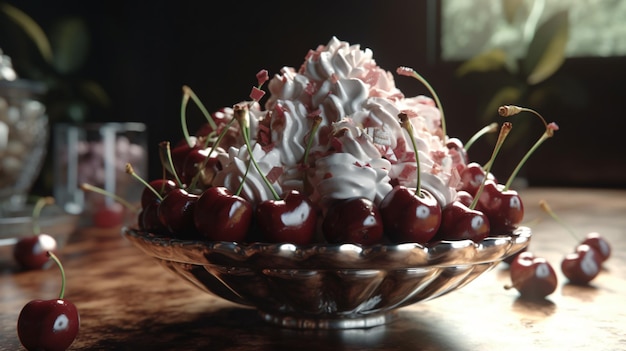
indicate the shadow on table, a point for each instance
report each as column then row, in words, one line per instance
column 242, row 329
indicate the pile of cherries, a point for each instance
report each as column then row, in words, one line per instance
column 535, row 278
column 184, row 205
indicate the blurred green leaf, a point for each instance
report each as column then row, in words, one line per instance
column 510, row 8
column 487, row 61
column 70, row 39
column 95, row 93
column 546, row 52
column 561, row 89
column 31, row 28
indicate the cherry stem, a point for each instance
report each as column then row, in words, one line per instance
column 546, row 208
column 188, row 93
column 131, row 171
column 245, row 176
column 97, row 190
column 166, row 159
column 306, row 182
column 504, row 132
column 39, row 205
column 511, row 110
column 509, row 181
column 491, row 128
column 241, row 114
column 58, row 263
column 208, row 157
column 406, row 124
column 317, row 121
column 407, row 71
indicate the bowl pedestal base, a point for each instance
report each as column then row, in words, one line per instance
column 312, row 322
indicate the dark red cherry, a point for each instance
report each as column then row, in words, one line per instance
column 599, row 243
column 291, row 219
column 198, row 161
column 176, row 212
column 503, row 208
column 31, row 252
column 410, row 217
column 148, row 219
column 108, row 215
column 161, row 185
column 459, row 222
column 48, row 324
column 354, row 220
column 472, row 177
column 222, row 216
column 464, row 197
column 583, row 265
column 180, row 151
column 532, row 276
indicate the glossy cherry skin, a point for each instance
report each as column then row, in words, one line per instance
column 409, row 217
column 599, row 243
column 176, row 212
column 459, row 222
column 583, row 265
column 472, row 177
column 50, row 325
column 504, row 209
column 355, row 220
column 148, row 219
column 532, row 276
column 193, row 164
column 292, row 219
column 31, row 252
column 222, row 216
column 464, row 197
column 179, row 154
column 162, row 186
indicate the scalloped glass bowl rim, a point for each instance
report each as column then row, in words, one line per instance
column 446, row 253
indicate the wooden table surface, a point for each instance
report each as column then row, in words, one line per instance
column 129, row 302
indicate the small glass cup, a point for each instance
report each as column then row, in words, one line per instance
column 97, row 154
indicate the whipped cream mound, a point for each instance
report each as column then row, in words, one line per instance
column 359, row 149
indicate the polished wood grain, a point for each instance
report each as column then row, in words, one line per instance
column 128, row 302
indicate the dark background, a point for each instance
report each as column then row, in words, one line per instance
column 143, row 52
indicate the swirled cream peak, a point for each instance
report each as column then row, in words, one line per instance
column 341, row 176
column 238, row 169
column 360, row 148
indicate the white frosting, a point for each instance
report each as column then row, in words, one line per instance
column 237, row 163
column 360, row 148
column 342, row 176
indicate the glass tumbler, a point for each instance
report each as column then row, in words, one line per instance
column 97, row 154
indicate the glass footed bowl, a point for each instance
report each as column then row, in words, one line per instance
column 324, row 286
